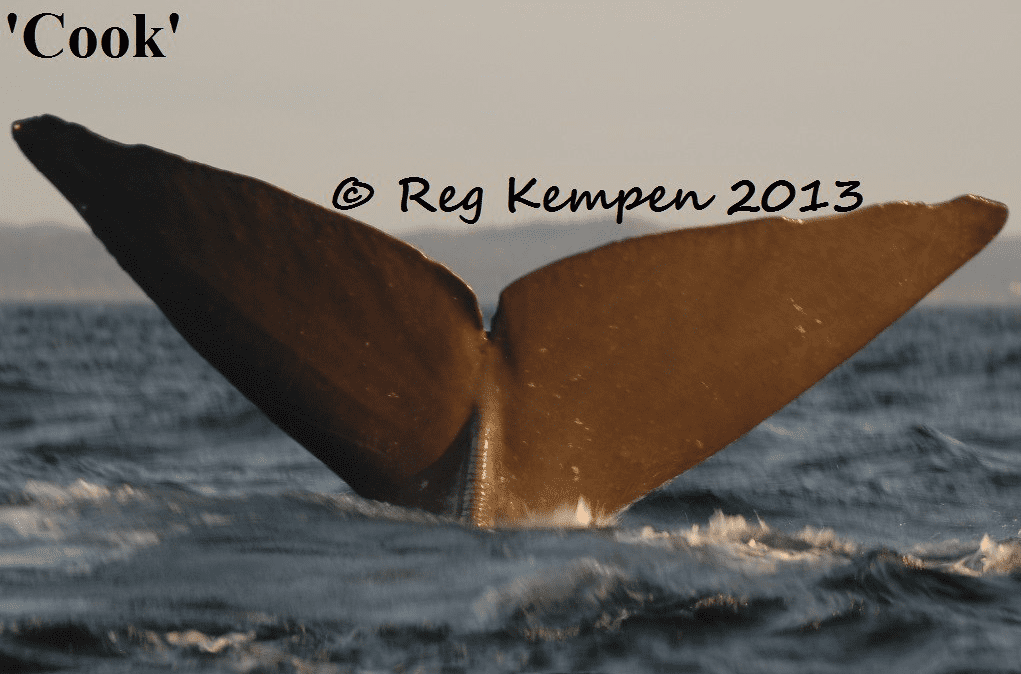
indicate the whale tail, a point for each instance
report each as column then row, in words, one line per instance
column 603, row 376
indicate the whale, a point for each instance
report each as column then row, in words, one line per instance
column 602, row 376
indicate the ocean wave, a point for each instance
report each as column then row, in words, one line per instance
column 350, row 505
column 624, row 598
column 23, row 385
column 696, row 503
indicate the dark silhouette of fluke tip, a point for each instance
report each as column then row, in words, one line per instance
column 604, row 375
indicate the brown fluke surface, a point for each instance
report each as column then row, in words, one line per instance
column 606, row 373
column 354, row 343
column 631, row 363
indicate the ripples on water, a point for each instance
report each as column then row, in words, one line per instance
column 151, row 519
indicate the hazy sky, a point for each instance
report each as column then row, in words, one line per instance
column 916, row 100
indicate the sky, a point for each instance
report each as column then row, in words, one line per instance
column 916, row 101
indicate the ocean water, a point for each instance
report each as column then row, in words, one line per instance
column 152, row 520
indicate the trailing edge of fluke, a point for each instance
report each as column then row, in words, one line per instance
column 604, row 375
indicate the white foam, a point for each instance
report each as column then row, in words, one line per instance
column 798, row 434
column 51, row 532
column 582, row 514
column 32, row 522
column 208, row 644
column 992, row 557
column 49, row 556
column 79, row 490
column 731, row 539
column 756, row 547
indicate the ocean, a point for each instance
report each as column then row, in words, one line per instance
column 152, row 520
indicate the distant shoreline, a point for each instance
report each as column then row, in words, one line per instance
column 53, row 263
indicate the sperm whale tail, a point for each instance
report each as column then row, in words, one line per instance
column 604, row 375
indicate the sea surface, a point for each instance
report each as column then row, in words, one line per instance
column 152, row 520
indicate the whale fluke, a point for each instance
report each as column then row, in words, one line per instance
column 604, row 374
